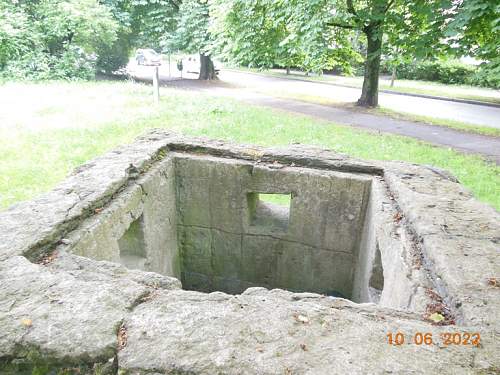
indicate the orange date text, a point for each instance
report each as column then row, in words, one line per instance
column 428, row 338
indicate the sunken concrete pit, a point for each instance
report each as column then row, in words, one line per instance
column 188, row 256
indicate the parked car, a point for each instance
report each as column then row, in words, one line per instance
column 192, row 64
column 147, row 57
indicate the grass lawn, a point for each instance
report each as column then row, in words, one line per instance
column 401, row 85
column 48, row 129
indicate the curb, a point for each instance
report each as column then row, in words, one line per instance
column 455, row 100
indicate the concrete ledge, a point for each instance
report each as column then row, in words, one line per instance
column 418, row 244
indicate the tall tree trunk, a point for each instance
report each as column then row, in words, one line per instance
column 287, row 70
column 369, row 93
column 393, row 76
column 207, row 69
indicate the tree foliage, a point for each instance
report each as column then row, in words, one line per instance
column 152, row 22
column 15, row 37
column 142, row 24
column 322, row 34
column 53, row 38
column 74, row 38
column 267, row 33
column 475, row 28
column 475, row 31
column 191, row 34
column 244, row 32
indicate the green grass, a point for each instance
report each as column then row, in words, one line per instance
column 401, row 85
column 88, row 119
column 280, row 199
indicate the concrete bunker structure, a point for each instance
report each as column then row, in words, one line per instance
column 392, row 240
column 205, row 220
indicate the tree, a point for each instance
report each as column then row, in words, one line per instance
column 323, row 47
column 192, row 35
column 398, row 19
column 15, row 38
column 323, row 30
column 475, row 31
column 112, row 57
column 152, row 21
column 413, row 31
column 268, row 33
column 246, row 32
column 54, row 38
column 370, row 20
column 142, row 23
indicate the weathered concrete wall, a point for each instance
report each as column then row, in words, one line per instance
column 387, row 257
column 138, row 228
column 438, row 253
column 193, row 217
column 224, row 249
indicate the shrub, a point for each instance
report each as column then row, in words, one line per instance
column 487, row 75
column 15, row 37
column 113, row 57
column 448, row 71
column 53, row 39
column 454, row 72
column 73, row 63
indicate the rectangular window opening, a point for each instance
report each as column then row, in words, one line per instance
column 132, row 246
column 270, row 210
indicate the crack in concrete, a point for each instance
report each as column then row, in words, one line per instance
column 415, row 240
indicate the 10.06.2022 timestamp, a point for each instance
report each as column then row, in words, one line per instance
column 427, row 338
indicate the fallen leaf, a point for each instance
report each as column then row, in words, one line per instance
column 26, row 322
column 436, row 317
column 48, row 258
column 492, row 281
column 122, row 337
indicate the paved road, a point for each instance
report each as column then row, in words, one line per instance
column 469, row 113
column 441, row 136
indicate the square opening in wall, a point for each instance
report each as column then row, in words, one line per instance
column 132, row 246
column 269, row 210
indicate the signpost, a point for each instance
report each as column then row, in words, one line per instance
column 156, row 85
